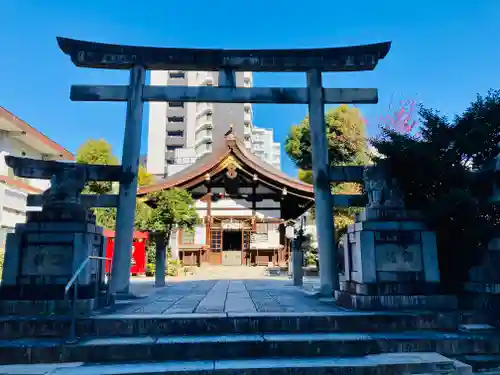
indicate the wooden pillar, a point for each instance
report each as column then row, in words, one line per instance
column 208, row 217
column 255, row 182
column 321, row 180
column 120, row 280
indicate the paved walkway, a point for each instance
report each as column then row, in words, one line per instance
column 267, row 294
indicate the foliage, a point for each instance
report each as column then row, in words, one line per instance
column 105, row 217
column 100, row 152
column 97, row 151
column 173, row 208
column 174, row 267
column 143, row 177
column 151, row 251
column 150, row 269
column 142, row 215
column 434, row 171
column 310, row 253
column 345, row 129
column 347, row 144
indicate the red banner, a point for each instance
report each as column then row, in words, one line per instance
column 138, row 263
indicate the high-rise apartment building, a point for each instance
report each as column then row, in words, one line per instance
column 263, row 146
column 180, row 133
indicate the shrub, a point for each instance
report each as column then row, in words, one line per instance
column 434, row 171
column 150, row 269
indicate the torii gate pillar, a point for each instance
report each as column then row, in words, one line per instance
column 328, row 273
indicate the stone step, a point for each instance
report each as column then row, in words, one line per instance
column 127, row 349
column 482, row 361
column 227, row 323
column 387, row 364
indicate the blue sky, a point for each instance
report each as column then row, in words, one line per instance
column 443, row 53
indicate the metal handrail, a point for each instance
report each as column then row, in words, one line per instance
column 73, row 281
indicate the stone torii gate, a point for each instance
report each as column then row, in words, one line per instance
column 139, row 59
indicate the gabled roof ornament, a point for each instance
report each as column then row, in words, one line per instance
column 229, row 134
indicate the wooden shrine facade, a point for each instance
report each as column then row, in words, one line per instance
column 244, row 204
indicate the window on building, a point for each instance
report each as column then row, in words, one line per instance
column 175, row 75
column 261, row 228
column 175, row 118
column 216, row 242
column 173, row 147
column 273, row 227
column 208, row 146
column 175, row 133
column 176, row 104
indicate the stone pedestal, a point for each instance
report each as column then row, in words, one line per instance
column 42, row 255
column 482, row 291
column 391, row 263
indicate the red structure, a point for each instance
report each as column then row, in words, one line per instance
column 138, row 266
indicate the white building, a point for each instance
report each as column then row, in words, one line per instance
column 180, row 133
column 264, row 147
column 20, row 139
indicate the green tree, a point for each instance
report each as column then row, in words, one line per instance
column 346, row 135
column 143, row 177
column 434, row 171
column 97, row 151
column 100, row 152
column 172, row 208
column 347, row 144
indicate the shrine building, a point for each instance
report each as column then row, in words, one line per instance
column 244, row 203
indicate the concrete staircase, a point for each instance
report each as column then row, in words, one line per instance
column 311, row 343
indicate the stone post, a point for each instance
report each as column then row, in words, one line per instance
column 161, row 256
column 298, row 260
column 120, row 280
column 324, row 205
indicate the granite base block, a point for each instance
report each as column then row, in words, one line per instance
column 396, row 302
column 481, row 302
column 483, row 288
column 49, row 307
column 391, row 288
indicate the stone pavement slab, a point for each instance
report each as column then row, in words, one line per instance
column 274, row 295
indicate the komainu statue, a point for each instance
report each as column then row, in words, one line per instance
column 65, row 187
column 383, row 191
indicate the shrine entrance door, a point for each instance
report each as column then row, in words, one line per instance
column 232, row 250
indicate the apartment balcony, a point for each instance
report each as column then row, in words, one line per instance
column 203, row 152
column 247, row 130
column 206, row 81
column 175, row 126
column 203, row 124
column 203, row 137
column 247, row 79
column 203, row 109
column 175, row 141
column 247, row 116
